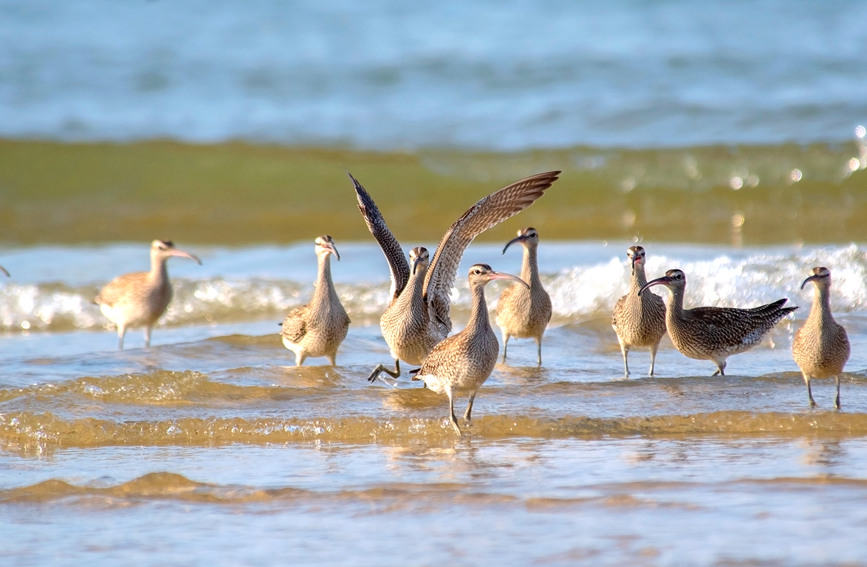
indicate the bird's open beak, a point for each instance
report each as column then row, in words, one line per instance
column 514, row 240
column 182, row 254
column 658, row 281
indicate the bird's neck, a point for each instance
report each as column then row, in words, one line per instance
column 324, row 292
column 414, row 289
column 530, row 267
column 820, row 312
column 639, row 279
column 674, row 304
column 410, row 303
column 479, row 318
column 159, row 273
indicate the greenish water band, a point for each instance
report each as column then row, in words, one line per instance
column 237, row 194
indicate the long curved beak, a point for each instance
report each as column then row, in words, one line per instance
column 502, row 276
column 415, row 263
column 809, row 279
column 333, row 249
column 514, row 240
column 2, row 269
column 632, row 262
column 664, row 280
column 182, row 254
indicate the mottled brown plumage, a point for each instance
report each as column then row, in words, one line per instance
column 318, row 328
column 714, row 333
column 407, row 325
column 462, row 362
column 140, row 298
column 423, row 317
column 638, row 320
column 524, row 312
column 821, row 346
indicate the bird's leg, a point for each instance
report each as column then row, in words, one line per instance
column 299, row 359
column 653, row 349
column 505, row 345
column 720, row 369
column 381, row 368
column 121, row 332
column 624, row 350
column 147, row 334
column 837, row 399
column 452, row 417
column 539, row 351
column 470, row 407
column 809, row 391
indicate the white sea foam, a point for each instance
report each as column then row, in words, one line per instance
column 584, row 281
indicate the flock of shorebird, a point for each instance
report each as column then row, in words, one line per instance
column 416, row 325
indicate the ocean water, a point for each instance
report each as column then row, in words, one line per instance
column 727, row 138
column 386, row 75
column 169, row 452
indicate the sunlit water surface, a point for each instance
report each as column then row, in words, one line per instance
column 211, row 447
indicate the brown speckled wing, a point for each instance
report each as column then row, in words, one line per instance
column 492, row 210
column 397, row 262
column 295, row 324
column 730, row 327
column 120, row 288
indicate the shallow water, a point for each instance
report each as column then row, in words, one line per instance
column 211, row 435
column 727, row 138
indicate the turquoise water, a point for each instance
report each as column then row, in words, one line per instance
column 390, row 75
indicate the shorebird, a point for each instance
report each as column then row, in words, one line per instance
column 821, row 347
column 418, row 313
column 140, row 298
column 318, row 328
column 523, row 312
column 714, row 333
column 462, row 362
column 638, row 320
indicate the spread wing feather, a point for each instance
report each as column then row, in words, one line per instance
column 397, row 263
column 489, row 211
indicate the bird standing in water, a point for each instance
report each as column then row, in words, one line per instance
column 638, row 320
column 714, row 333
column 418, row 313
column 462, row 362
column 140, row 298
column 318, row 328
column 821, row 346
column 524, row 312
